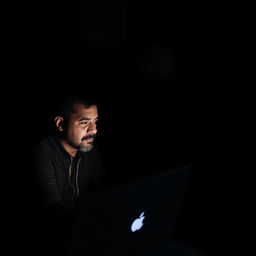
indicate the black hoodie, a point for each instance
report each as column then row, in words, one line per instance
column 63, row 179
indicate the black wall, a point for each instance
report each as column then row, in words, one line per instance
column 162, row 106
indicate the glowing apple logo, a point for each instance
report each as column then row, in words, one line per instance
column 138, row 223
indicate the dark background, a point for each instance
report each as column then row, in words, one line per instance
column 157, row 70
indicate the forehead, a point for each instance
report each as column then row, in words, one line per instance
column 80, row 110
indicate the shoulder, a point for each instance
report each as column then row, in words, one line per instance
column 45, row 146
column 46, row 143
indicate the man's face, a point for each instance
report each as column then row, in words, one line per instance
column 81, row 127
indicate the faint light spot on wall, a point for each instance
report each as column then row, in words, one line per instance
column 158, row 63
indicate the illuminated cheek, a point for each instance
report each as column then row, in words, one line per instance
column 82, row 133
column 84, row 130
column 76, row 135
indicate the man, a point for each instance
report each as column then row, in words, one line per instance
column 67, row 165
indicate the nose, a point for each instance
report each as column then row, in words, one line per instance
column 92, row 128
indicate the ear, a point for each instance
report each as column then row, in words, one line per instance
column 59, row 123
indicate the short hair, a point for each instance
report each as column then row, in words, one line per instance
column 65, row 106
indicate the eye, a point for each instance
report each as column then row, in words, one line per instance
column 84, row 122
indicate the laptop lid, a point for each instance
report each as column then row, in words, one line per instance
column 135, row 217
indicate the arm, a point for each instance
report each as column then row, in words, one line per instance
column 45, row 177
column 56, row 215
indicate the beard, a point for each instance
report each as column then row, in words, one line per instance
column 89, row 146
column 83, row 148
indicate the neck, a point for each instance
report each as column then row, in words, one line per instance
column 71, row 150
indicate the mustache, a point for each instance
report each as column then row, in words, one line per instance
column 89, row 136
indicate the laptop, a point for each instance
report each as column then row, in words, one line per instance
column 137, row 218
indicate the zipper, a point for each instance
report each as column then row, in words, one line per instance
column 76, row 186
column 69, row 178
column 77, row 169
